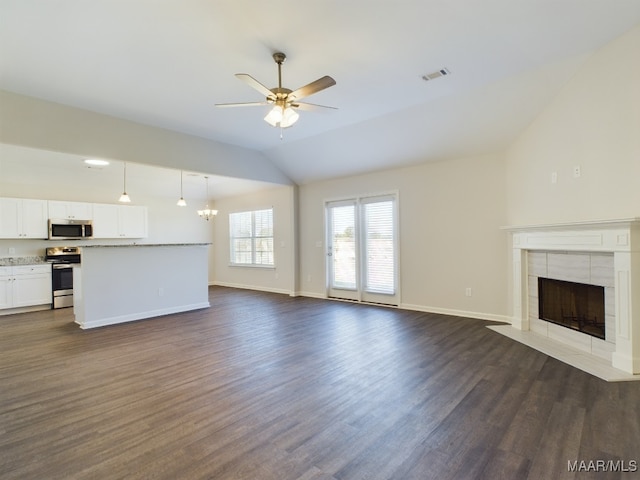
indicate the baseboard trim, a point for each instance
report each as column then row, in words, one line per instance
column 457, row 313
column 311, row 295
column 32, row 308
column 254, row 287
column 404, row 306
column 103, row 322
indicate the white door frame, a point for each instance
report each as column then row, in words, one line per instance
column 359, row 292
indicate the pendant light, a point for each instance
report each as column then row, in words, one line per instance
column 207, row 213
column 181, row 202
column 124, row 198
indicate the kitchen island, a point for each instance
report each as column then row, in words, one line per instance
column 122, row 283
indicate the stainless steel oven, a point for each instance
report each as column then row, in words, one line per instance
column 62, row 261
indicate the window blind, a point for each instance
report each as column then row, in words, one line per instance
column 251, row 237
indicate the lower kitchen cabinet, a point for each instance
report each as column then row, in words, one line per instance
column 25, row 286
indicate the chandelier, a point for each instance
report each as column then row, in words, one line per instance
column 207, row 213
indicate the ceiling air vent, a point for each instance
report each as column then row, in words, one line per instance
column 437, row 74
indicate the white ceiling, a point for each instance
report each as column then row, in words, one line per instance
column 167, row 62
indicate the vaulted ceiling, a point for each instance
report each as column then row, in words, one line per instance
column 167, row 62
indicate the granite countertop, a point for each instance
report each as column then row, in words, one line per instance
column 148, row 245
column 27, row 260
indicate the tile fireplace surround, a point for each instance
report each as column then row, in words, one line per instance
column 605, row 253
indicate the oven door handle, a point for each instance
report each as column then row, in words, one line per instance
column 62, row 267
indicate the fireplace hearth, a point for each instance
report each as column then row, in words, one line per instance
column 577, row 306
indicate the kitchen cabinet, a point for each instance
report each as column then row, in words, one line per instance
column 25, row 285
column 6, row 292
column 23, row 218
column 70, row 210
column 119, row 221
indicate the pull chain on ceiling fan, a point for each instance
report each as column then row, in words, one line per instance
column 285, row 101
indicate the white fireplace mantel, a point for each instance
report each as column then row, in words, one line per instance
column 620, row 237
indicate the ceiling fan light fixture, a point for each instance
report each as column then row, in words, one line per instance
column 281, row 117
column 283, row 114
column 274, row 117
column 289, row 117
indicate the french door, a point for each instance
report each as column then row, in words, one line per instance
column 362, row 249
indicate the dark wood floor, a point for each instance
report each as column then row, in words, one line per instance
column 264, row 386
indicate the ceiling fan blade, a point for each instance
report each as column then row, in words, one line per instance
column 245, row 104
column 311, row 106
column 313, row 87
column 255, row 84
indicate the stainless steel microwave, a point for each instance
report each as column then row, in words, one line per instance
column 70, row 229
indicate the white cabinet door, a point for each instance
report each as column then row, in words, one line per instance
column 32, row 289
column 70, row 210
column 105, row 221
column 34, row 219
column 9, row 215
column 23, row 218
column 119, row 221
column 133, row 221
column 6, row 292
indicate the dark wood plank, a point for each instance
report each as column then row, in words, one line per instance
column 264, row 386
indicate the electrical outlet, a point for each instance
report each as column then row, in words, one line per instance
column 12, row 251
column 468, row 291
column 308, row 278
column 577, row 172
column 554, row 177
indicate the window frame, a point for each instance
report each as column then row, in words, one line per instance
column 253, row 238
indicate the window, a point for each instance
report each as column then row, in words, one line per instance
column 251, row 237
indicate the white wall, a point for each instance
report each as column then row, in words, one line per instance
column 450, row 214
column 282, row 278
column 594, row 123
column 46, row 125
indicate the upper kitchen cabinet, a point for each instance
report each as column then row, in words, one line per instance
column 119, row 221
column 23, row 218
column 70, row 210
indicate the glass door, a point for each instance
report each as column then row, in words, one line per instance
column 342, row 250
column 362, row 249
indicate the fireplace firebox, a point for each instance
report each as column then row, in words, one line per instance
column 577, row 306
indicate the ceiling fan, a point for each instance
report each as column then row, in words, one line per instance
column 285, row 101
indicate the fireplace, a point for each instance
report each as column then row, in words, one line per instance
column 578, row 306
column 604, row 254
